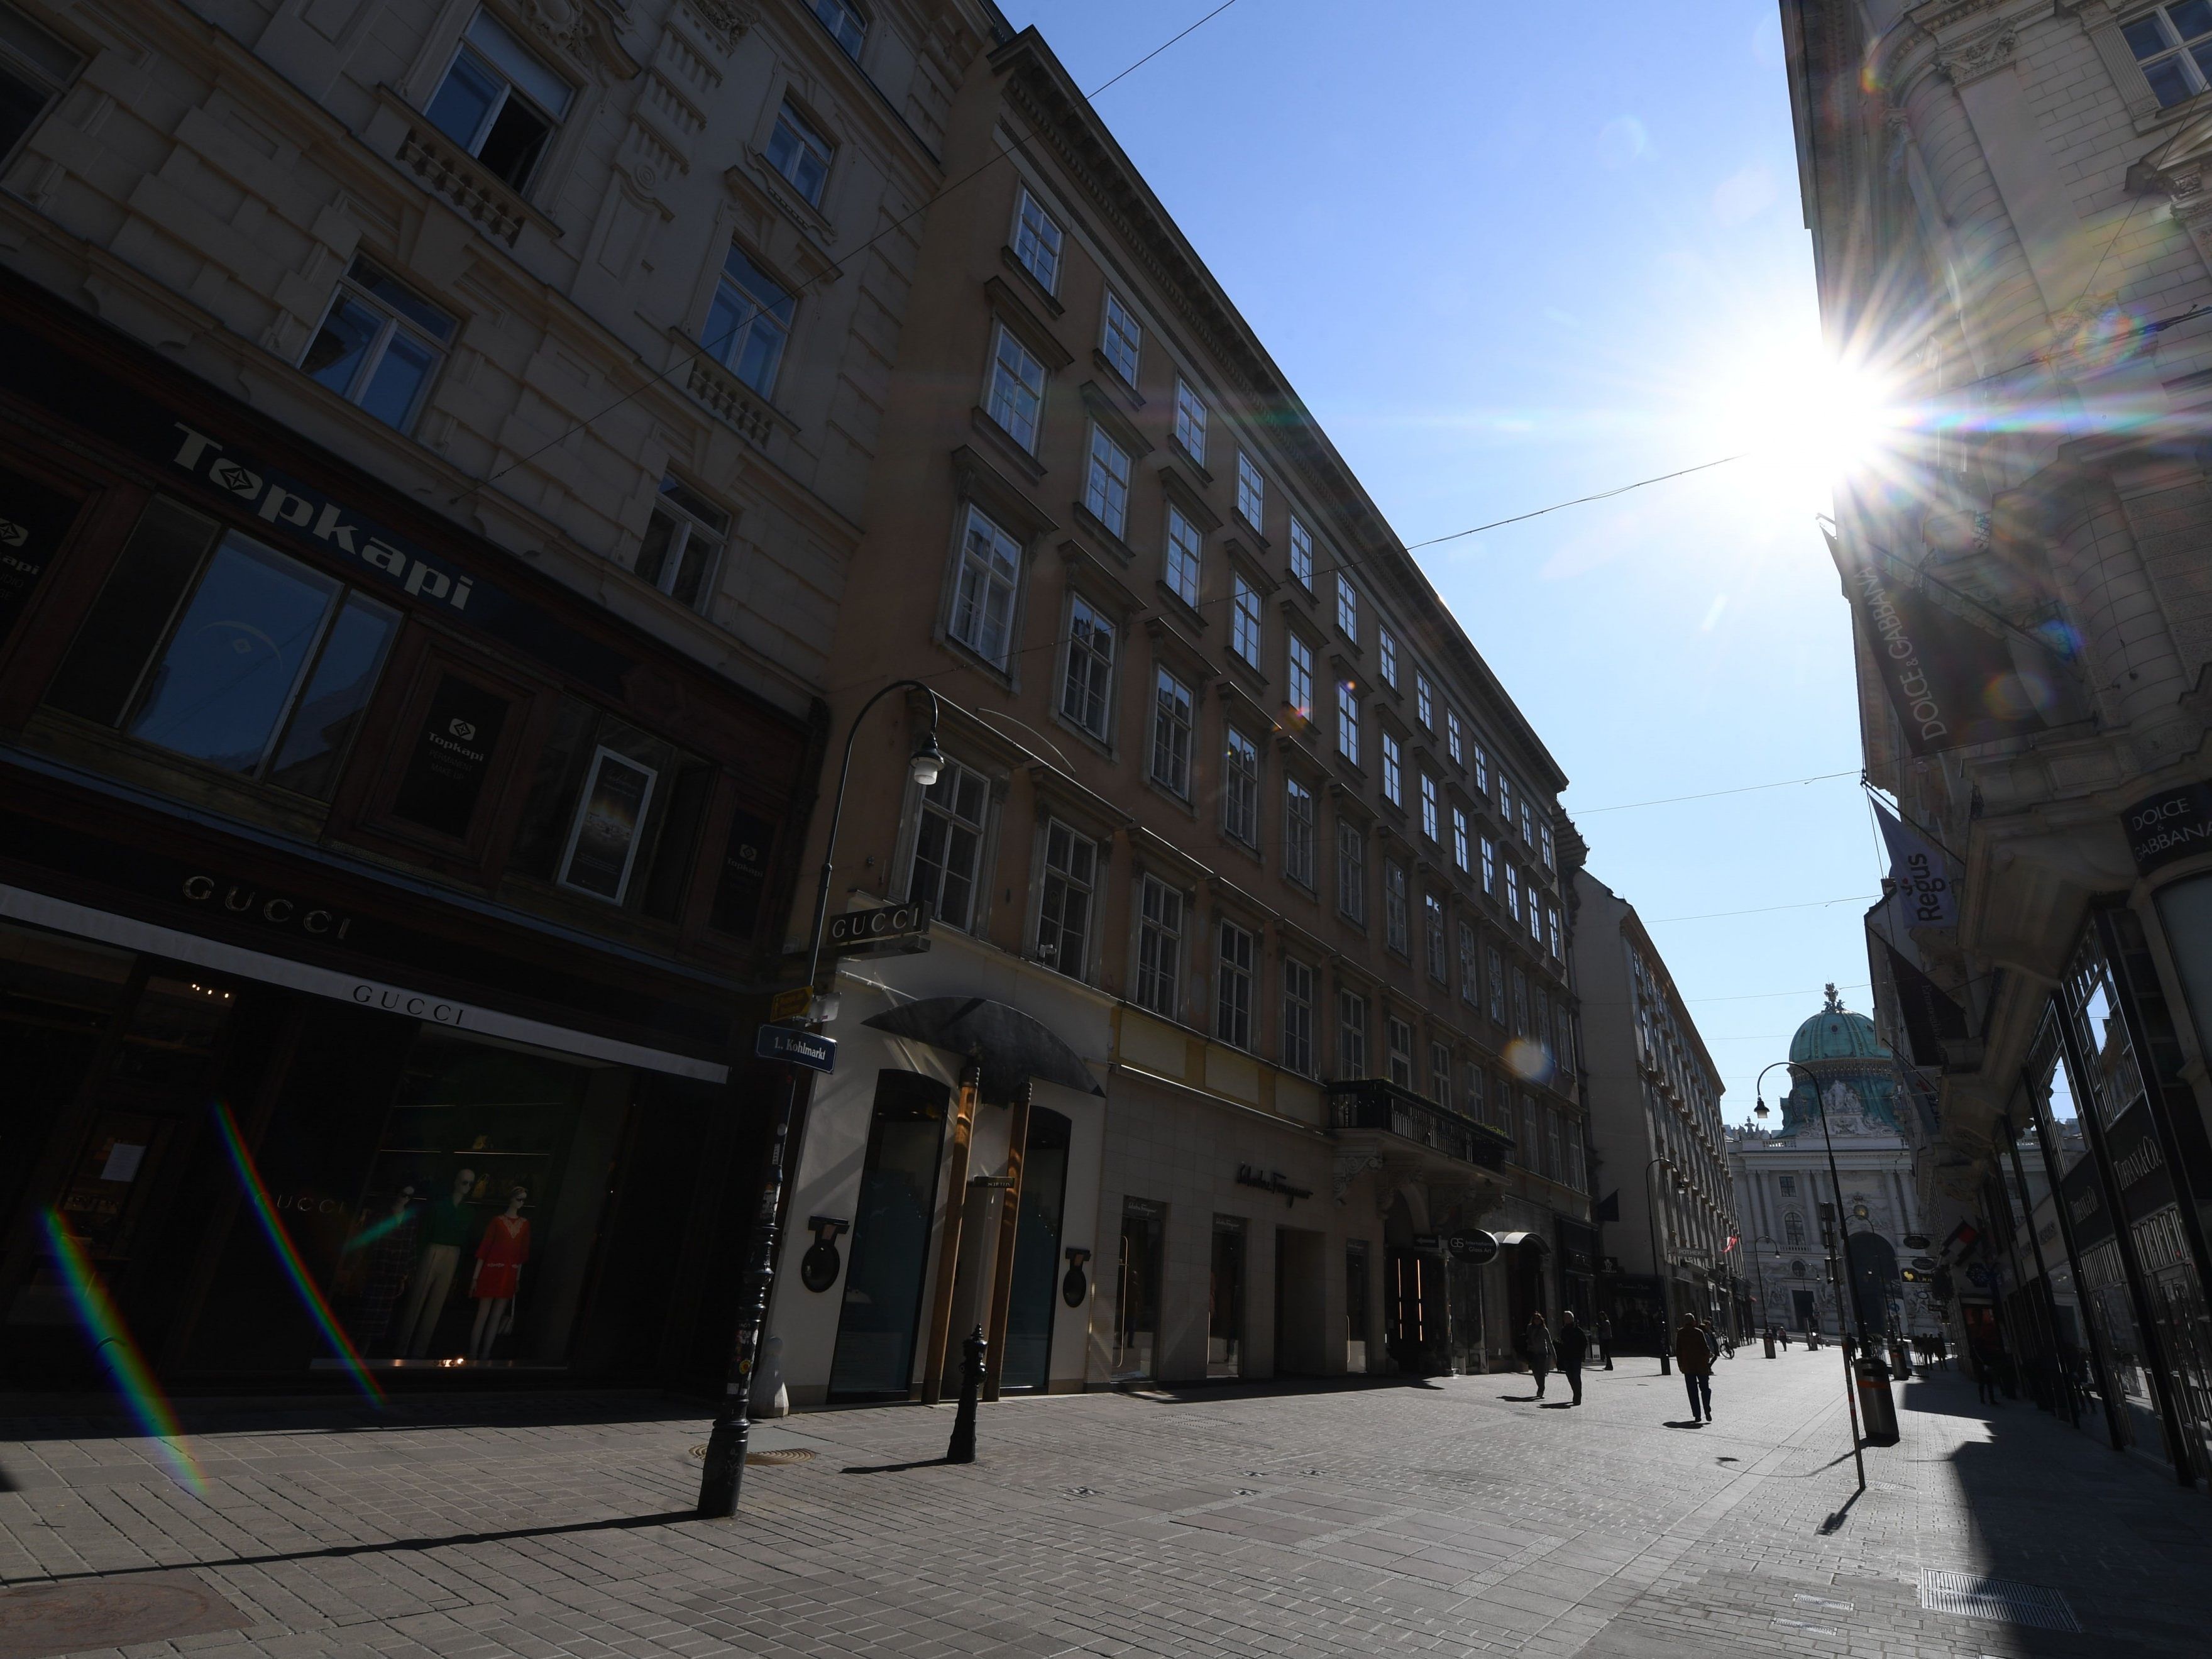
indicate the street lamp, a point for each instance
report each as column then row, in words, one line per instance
column 1659, row 1266
column 724, row 1470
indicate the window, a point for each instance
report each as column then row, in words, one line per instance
column 845, row 23
column 1399, row 1035
column 1432, row 928
column 1301, row 678
column 1244, row 618
column 1788, row 1186
column 499, row 102
column 800, row 154
column 1512, row 892
column 1182, row 556
column 1350, row 1035
column 1470, row 986
column 1251, row 492
column 1232, row 998
column 33, row 67
column 1016, row 398
column 1528, row 823
column 1297, row 1017
column 207, row 644
column 983, row 594
column 1552, row 929
column 1425, row 702
column 1519, row 1002
column 1036, row 241
column 1172, row 719
column 1544, row 844
column 748, row 323
column 1352, row 872
column 1159, row 947
column 682, row 544
column 1190, row 421
column 1489, row 865
column 1431, row 809
column 1123, row 338
column 1495, row 965
column 1298, row 833
column 1460, row 838
column 1385, row 660
column 1070, row 863
column 1086, row 692
column 1505, row 801
column 1793, row 1229
column 1455, row 740
column 1393, row 772
column 1347, row 609
column 1482, row 770
column 1555, row 1163
column 1574, row 1171
column 1396, row 922
column 1348, row 722
column 1440, row 1072
column 948, row 846
column 1106, row 482
column 1535, row 916
column 2173, row 45
column 379, row 345
column 1240, row 789
column 1302, row 558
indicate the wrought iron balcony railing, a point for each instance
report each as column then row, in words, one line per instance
column 1377, row 1103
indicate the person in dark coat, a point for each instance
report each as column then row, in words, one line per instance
column 1694, row 1352
column 1536, row 1344
column 1572, row 1346
column 1605, row 1338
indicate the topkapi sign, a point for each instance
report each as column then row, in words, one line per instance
column 2169, row 826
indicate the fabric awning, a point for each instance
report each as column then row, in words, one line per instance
column 1009, row 1046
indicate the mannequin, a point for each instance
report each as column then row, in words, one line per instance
column 388, row 1248
column 445, row 1228
column 498, row 1273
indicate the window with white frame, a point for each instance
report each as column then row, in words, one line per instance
column 1386, row 656
column 797, row 149
column 1489, row 865
column 1563, row 1043
column 983, row 592
column 1495, row 964
column 1555, row 1162
column 845, row 22
column 1393, row 771
column 1470, row 983
column 1182, row 555
column 682, row 544
column 1070, row 872
column 1301, row 554
column 1251, row 491
column 1425, row 702
column 2172, row 45
column 1455, row 742
column 1535, row 915
column 1520, row 1000
column 1347, row 609
column 34, row 66
column 1544, row 844
column 1244, row 618
column 1399, row 1034
column 1301, row 687
column 1298, row 833
column 1350, row 1035
column 1575, row 1171
column 1238, row 951
column 1087, row 690
column 750, row 322
column 1432, row 931
column 1482, row 770
column 1440, row 1073
column 1017, row 394
column 1121, row 337
column 1512, row 891
column 500, row 102
column 379, row 343
column 1352, row 872
column 1106, row 482
column 1431, row 809
column 1505, row 800
column 1036, row 241
column 948, row 846
column 1551, row 928
column 1528, row 823
column 1348, row 722
column 1240, row 789
column 1396, row 920
column 1460, row 842
column 1159, row 948
column 1297, row 1017
column 1173, row 717
column 1190, row 421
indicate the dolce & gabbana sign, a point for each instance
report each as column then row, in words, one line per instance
column 2172, row 825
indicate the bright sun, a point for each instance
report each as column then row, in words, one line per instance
column 1803, row 421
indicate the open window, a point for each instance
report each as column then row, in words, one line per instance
column 500, row 101
column 682, row 544
column 34, row 67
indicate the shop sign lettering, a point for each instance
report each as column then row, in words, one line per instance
column 1272, row 1181
column 275, row 909
column 2170, row 826
column 391, row 1001
column 2144, row 1160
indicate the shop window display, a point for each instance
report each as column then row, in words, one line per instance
column 56, row 996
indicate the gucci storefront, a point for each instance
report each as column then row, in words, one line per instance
column 374, row 919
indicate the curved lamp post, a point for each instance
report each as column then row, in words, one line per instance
column 725, row 1471
column 1659, row 1266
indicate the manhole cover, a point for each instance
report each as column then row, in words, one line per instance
column 48, row 1618
column 1972, row 1596
column 768, row 1459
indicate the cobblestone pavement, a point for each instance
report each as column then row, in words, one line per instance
column 1455, row 1517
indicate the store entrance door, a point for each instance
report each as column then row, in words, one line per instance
column 1035, row 1289
column 876, row 1327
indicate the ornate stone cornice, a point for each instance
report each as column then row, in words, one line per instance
column 1965, row 62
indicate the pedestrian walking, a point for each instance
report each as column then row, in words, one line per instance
column 1536, row 1344
column 1572, row 1346
column 1985, row 1377
column 1605, row 1338
column 1694, row 1352
column 1785, row 1338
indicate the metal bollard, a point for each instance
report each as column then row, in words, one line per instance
column 1767, row 1336
column 962, row 1448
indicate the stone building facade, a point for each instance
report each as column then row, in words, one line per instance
column 2009, row 222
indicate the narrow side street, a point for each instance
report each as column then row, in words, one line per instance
column 1454, row 1518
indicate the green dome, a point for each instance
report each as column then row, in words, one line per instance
column 1836, row 1033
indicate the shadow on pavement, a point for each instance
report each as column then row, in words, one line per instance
column 30, row 1420
column 896, row 1468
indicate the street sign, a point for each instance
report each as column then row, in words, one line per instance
column 796, row 1048
column 790, row 1005
column 1429, row 1243
column 1916, row 1240
column 1474, row 1247
column 900, row 927
column 1927, row 1264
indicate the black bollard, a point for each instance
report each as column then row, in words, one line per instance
column 963, row 1448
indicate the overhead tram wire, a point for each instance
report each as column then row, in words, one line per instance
column 1768, row 910
column 691, row 355
column 1579, row 813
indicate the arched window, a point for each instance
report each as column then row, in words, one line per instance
column 1793, row 1229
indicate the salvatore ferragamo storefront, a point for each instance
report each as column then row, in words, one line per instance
column 375, row 918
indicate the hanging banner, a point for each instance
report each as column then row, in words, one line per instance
column 1931, row 1017
column 1952, row 682
column 1918, row 870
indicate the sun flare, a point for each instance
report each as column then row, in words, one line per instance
column 1803, row 421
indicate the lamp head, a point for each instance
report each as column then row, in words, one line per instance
column 1759, row 1110
column 928, row 762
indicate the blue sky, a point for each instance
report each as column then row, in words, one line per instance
column 1507, row 257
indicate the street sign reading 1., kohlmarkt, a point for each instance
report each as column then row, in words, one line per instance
column 796, row 1048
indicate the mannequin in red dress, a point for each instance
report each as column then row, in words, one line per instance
column 498, row 1273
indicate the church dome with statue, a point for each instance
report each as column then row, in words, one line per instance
column 1837, row 1058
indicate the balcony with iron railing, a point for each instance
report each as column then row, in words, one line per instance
column 1377, row 1104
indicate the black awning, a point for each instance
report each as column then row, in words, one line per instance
column 1010, row 1046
